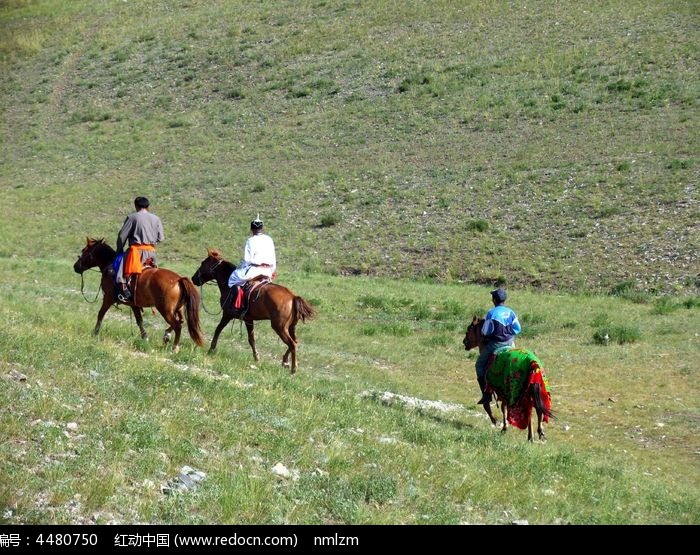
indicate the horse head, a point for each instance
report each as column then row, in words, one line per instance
column 207, row 269
column 93, row 254
column 473, row 336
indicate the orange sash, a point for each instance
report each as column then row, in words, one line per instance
column 133, row 264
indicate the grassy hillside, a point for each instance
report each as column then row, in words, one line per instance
column 404, row 156
column 99, row 426
column 549, row 143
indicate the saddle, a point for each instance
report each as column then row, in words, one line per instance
column 131, row 281
column 240, row 299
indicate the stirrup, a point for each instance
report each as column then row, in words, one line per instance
column 124, row 295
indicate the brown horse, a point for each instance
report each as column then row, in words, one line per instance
column 534, row 395
column 158, row 287
column 269, row 302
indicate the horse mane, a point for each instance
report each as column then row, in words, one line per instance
column 100, row 243
column 215, row 254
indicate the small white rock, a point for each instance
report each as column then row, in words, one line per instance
column 280, row 470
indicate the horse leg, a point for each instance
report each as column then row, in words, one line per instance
column 138, row 316
column 106, row 303
column 540, row 431
column 285, row 358
column 289, row 351
column 504, row 411
column 531, row 398
column 166, row 335
column 291, row 346
column 173, row 318
column 539, row 407
column 487, row 408
column 225, row 319
column 539, row 410
column 250, row 328
column 178, row 328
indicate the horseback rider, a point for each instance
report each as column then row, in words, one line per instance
column 499, row 330
column 141, row 230
column 258, row 260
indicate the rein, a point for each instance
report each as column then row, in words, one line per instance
column 201, row 292
column 82, row 287
column 201, row 295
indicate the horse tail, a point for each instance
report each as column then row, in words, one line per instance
column 303, row 310
column 192, row 302
column 537, row 399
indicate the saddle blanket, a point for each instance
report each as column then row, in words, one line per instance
column 512, row 373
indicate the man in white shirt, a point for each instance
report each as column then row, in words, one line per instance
column 258, row 260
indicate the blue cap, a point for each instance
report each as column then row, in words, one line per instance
column 499, row 295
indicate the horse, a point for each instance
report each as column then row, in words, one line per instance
column 158, row 287
column 269, row 301
column 516, row 406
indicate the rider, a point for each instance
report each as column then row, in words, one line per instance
column 258, row 260
column 141, row 230
column 499, row 330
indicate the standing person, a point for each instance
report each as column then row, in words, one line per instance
column 141, row 230
column 499, row 330
column 258, row 260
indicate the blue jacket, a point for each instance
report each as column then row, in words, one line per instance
column 501, row 325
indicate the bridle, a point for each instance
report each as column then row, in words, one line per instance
column 198, row 274
column 82, row 280
column 473, row 332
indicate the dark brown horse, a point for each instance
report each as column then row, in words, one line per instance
column 532, row 396
column 158, row 287
column 269, row 302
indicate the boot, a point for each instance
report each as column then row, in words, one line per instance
column 124, row 295
column 485, row 397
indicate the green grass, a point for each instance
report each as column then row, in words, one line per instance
column 405, row 158
column 621, row 449
column 388, row 140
